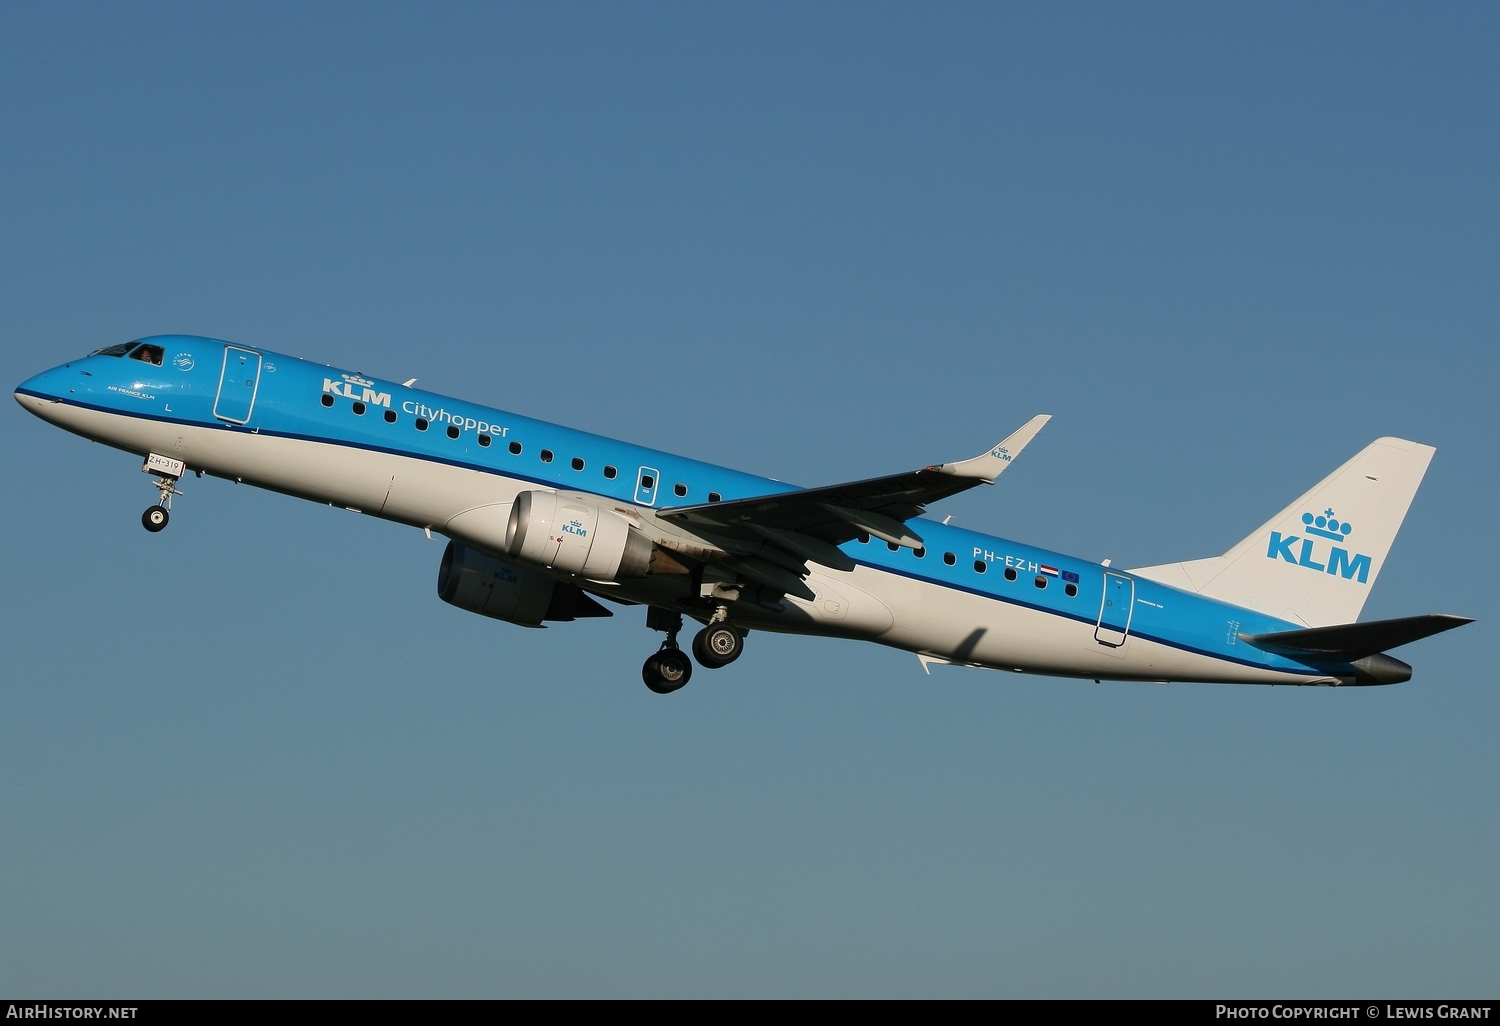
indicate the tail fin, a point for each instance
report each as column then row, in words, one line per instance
column 1315, row 562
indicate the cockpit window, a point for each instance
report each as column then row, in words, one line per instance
column 148, row 354
column 119, row 350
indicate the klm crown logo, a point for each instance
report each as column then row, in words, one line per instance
column 366, row 391
column 1326, row 526
column 1337, row 561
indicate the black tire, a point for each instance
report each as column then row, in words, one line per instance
column 718, row 645
column 666, row 671
column 155, row 518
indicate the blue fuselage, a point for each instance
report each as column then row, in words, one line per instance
column 207, row 385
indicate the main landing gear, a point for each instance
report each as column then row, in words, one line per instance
column 668, row 669
column 714, row 646
column 718, row 644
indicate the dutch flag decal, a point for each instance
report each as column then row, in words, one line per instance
column 1050, row 571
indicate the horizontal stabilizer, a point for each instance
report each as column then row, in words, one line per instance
column 1347, row 642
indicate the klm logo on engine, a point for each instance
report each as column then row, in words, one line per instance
column 1306, row 551
column 575, row 527
column 355, row 387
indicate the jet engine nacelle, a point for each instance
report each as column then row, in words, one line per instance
column 575, row 537
column 473, row 581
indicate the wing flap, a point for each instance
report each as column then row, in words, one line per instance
column 805, row 545
column 881, row 526
column 771, row 575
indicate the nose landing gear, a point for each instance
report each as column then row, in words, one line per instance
column 167, row 472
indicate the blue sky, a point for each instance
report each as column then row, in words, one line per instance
column 1224, row 246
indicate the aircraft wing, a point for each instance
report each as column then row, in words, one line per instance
column 809, row 522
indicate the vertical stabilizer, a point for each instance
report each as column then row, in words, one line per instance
column 1315, row 562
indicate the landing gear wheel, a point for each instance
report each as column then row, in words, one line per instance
column 155, row 518
column 717, row 645
column 666, row 671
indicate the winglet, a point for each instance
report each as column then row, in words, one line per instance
column 991, row 464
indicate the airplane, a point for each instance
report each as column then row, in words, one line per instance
column 544, row 521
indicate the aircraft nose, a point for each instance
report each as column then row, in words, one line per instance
column 37, row 385
column 46, row 387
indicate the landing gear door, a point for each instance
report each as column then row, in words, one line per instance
column 646, row 481
column 239, row 379
column 1114, row 610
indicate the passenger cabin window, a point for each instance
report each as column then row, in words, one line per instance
column 359, row 409
column 1010, row 573
column 979, row 566
column 452, row 431
column 148, row 354
column 390, row 416
column 679, row 490
column 648, row 482
column 327, row 399
column 1041, row 582
column 715, row 497
column 949, row 558
column 515, row 448
column 577, row 463
column 893, row 546
column 421, row 423
column 485, row 440
column 610, row 472
column 1070, row 590
column 546, row 455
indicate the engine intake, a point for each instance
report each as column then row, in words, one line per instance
column 575, row 537
column 473, row 581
